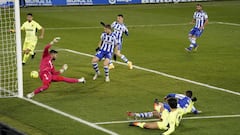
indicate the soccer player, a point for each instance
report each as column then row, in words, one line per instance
column 30, row 27
column 168, row 120
column 48, row 73
column 107, row 45
column 119, row 28
column 185, row 102
column 200, row 18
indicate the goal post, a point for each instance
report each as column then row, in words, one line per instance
column 11, row 80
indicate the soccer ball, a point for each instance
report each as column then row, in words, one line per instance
column 34, row 74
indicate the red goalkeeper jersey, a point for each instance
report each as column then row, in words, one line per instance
column 46, row 64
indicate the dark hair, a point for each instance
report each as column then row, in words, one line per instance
column 194, row 99
column 172, row 103
column 53, row 52
column 120, row 15
column 30, row 14
column 199, row 5
column 189, row 93
column 108, row 26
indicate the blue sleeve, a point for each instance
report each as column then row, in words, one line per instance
column 171, row 95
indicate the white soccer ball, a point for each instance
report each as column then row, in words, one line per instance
column 34, row 74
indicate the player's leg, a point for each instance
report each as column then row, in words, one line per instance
column 58, row 78
column 192, row 38
column 124, row 58
column 150, row 125
column 142, row 114
column 106, row 69
column 33, row 46
column 26, row 52
column 46, row 80
column 95, row 61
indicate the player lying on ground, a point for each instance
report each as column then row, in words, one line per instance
column 168, row 120
column 30, row 27
column 48, row 73
column 186, row 102
column 107, row 45
column 200, row 18
column 119, row 28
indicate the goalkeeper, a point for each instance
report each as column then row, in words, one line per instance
column 48, row 73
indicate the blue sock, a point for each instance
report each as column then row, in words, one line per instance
column 106, row 70
column 144, row 115
column 124, row 58
column 95, row 67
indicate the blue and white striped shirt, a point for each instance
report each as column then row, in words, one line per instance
column 119, row 29
column 200, row 17
column 109, row 41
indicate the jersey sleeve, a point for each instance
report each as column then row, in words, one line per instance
column 194, row 15
column 38, row 26
column 54, row 71
column 113, row 24
column 23, row 26
column 46, row 50
column 170, row 95
column 205, row 16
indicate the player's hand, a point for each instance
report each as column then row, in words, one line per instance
column 12, row 30
column 65, row 67
column 126, row 33
column 55, row 40
column 97, row 49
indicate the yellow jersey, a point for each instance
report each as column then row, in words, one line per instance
column 30, row 29
column 174, row 119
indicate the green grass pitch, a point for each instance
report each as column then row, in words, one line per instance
column 153, row 46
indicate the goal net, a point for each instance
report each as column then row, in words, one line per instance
column 10, row 50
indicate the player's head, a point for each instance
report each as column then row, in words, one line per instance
column 198, row 7
column 172, row 102
column 29, row 17
column 189, row 93
column 120, row 18
column 107, row 29
column 53, row 54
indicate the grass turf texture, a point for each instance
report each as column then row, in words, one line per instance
column 158, row 47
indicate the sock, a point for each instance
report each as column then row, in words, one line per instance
column 193, row 43
column 25, row 57
column 106, row 70
column 124, row 58
column 95, row 67
column 140, row 124
column 110, row 62
column 144, row 115
column 70, row 80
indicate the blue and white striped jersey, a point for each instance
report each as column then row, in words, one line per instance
column 109, row 41
column 200, row 17
column 183, row 100
column 119, row 29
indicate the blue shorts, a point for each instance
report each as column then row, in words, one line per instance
column 196, row 32
column 104, row 54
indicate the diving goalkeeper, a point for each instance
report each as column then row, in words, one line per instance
column 48, row 73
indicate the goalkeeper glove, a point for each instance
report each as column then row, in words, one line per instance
column 64, row 68
column 97, row 49
column 55, row 40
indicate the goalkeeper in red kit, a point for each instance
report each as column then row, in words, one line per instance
column 48, row 73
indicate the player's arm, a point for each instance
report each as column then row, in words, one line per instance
column 99, row 45
column 42, row 33
column 48, row 46
column 126, row 31
column 169, row 96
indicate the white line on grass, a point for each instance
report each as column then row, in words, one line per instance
column 70, row 116
column 132, row 26
column 164, row 74
column 186, row 118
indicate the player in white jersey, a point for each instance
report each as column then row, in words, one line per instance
column 200, row 18
column 119, row 28
column 107, row 46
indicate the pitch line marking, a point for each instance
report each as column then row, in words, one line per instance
column 70, row 116
column 186, row 118
column 163, row 74
column 132, row 26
